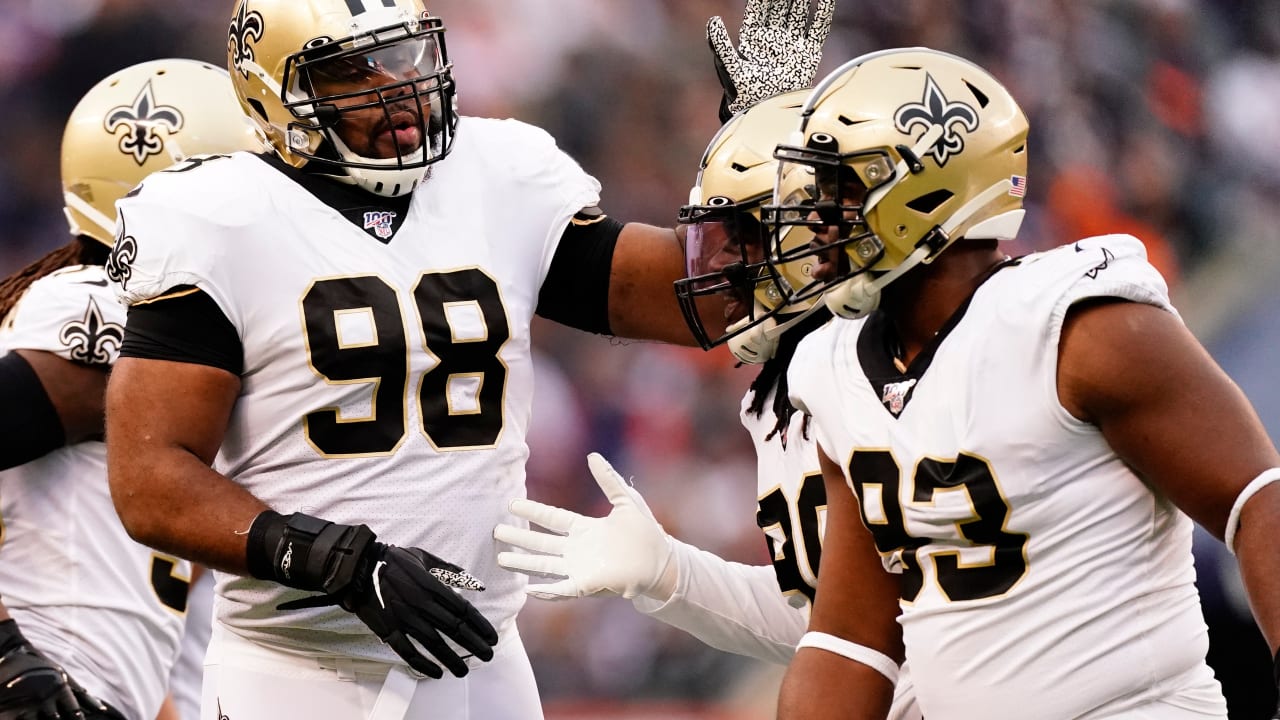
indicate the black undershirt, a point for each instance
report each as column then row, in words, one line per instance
column 36, row 429
column 183, row 325
column 575, row 292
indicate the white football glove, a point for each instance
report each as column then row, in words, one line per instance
column 778, row 51
column 626, row 553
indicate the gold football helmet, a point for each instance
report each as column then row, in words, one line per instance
column 317, row 75
column 140, row 120
column 905, row 151
column 726, row 243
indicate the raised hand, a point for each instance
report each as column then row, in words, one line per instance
column 626, row 553
column 778, row 51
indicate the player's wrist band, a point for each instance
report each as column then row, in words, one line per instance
column 305, row 552
column 870, row 657
column 1265, row 478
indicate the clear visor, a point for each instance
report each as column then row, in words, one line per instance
column 386, row 96
column 725, row 266
column 408, row 60
column 724, row 252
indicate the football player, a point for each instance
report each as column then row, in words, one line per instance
column 93, row 618
column 348, row 319
column 758, row 611
column 1014, row 449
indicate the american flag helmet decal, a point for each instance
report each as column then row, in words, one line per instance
column 1019, row 188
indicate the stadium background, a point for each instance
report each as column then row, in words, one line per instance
column 1159, row 118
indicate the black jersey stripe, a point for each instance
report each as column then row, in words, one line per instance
column 358, row 6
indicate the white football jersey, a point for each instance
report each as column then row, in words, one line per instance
column 1041, row 577
column 107, row 609
column 791, row 501
column 387, row 380
column 762, row 611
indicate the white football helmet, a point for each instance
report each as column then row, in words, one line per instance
column 305, row 70
column 141, row 120
column 726, row 243
column 905, row 151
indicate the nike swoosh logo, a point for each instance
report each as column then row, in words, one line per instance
column 377, row 582
column 95, row 283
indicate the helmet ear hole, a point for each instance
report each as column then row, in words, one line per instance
column 257, row 107
column 927, row 204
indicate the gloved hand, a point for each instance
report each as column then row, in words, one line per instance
column 33, row 687
column 403, row 593
column 626, row 553
column 778, row 51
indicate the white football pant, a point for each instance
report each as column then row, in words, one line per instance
column 244, row 680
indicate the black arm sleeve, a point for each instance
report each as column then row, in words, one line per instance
column 185, row 325
column 32, row 427
column 576, row 290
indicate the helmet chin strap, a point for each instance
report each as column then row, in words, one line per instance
column 759, row 343
column 391, row 182
column 860, row 294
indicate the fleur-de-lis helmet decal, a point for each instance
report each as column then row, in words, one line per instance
column 141, row 120
column 138, row 121
column 245, row 26
column 930, row 148
column 935, row 109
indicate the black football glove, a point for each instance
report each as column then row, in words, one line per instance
column 403, row 593
column 778, row 51
column 33, row 687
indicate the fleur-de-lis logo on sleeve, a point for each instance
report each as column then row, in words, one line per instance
column 245, row 26
column 141, row 120
column 120, row 261
column 935, row 109
column 92, row 340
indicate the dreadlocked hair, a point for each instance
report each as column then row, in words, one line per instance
column 80, row 251
column 773, row 374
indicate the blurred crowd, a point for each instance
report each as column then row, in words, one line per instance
column 1159, row 118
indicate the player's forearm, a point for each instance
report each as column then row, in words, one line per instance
column 166, row 421
column 642, row 305
column 171, row 501
column 820, row 685
column 1259, row 562
column 729, row 606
